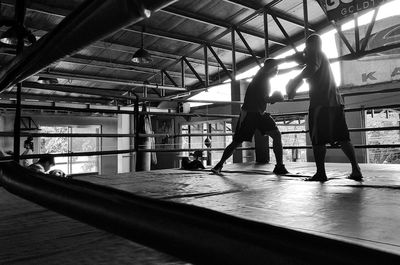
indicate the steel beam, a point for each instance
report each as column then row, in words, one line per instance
column 248, row 47
column 206, row 66
column 101, row 92
column 162, row 83
column 192, row 69
column 225, row 32
column 109, row 81
column 233, row 41
column 279, row 14
column 283, row 31
column 182, row 38
column 266, row 42
column 20, row 10
column 182, row 73
column 356, row 32
column 305, row 15
column 26, row 96
column 214, row 22
column 343, row 37
column 122, row 48
column 85, row 22
column 170, row 78
column 114, row 65
column 369, row 30
column 221, row 63
column 42, row 9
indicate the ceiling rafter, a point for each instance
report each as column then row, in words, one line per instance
column 107, row 64
column 101, row 63
column 54, row 98
column 123, row 48
column 150, row 31
column 217, row 23
column 321, row 27
column 95, row 91
column 182, row 38
column 61, row 13
column 113, row 46
column 107, row 80
column 278, row 14
column 105, row 93
column 155, row 32
column 225, row 32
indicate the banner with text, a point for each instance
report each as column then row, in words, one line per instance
column 339, row 9
column 373, row 68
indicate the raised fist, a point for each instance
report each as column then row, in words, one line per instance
column 291, row 88
column 298, row 57
column 276, row 97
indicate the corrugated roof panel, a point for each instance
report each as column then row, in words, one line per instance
column 295, row 9
column 68, row 5
column 194, row 5
column 165, row 36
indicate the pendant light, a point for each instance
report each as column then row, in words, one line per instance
column 10, row 36
column 47, row 80
column 142, row 56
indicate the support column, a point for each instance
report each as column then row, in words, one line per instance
column 235, row 109
column 266, row 48
column 305, row 13
column 261, row 142
column 20, row 9
column 132, row 141
column 235, row 96
column 207, row 80
column 136, row 130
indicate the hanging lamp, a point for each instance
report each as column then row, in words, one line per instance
column 142, row 56
column 47, row 80
column 10, row 36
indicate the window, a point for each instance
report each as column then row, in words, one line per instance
column 292, row 139
column 222, row 141
column 72, row 164
column 197, row 142
column 383, row 118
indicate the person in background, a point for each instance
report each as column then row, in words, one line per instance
column 326, row 119
column 195, row 163
column 28, row 145
column 253, row 117
column 44, row 164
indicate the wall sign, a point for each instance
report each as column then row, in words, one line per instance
column 373, row 68
column 339, row 9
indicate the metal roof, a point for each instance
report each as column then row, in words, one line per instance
column 177, row 32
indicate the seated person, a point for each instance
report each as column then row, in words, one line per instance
column 195, row 163
column 28, row 145
column 44, row 164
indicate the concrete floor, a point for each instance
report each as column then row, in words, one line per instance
column 366, row 213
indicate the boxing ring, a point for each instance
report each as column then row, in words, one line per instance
column 247, row 215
